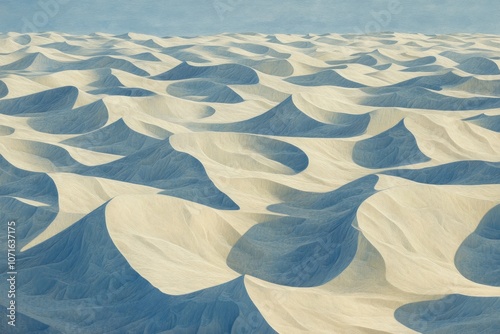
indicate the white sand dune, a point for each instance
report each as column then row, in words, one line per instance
column 253, row 183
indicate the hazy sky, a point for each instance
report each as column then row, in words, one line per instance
column 202, row 17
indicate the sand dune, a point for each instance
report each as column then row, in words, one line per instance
column 252, row 183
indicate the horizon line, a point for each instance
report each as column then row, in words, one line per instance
column 246, row 33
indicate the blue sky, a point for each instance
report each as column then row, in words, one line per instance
column 203, row 17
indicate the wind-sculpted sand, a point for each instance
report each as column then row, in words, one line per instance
column 249, row 183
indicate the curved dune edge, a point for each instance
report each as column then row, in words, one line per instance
column 360, row 300
column 418, row 229
column 178, row 246
column 472, row 258
column 246, row 153
column 79, row 196
column 398, row 262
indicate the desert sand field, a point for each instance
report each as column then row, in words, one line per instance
column 251, row 183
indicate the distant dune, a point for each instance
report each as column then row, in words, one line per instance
column 250, row 183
